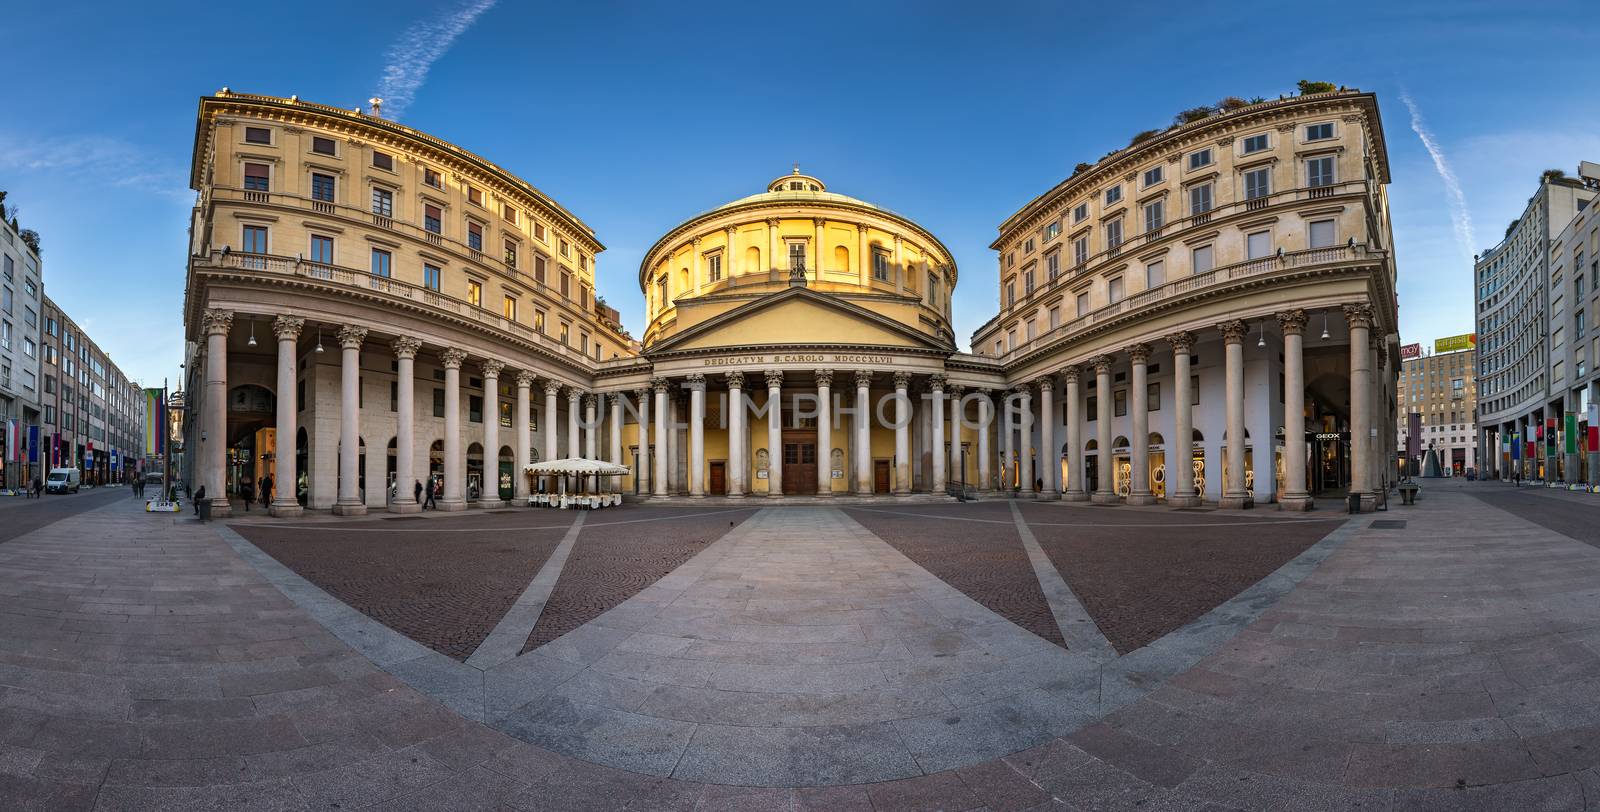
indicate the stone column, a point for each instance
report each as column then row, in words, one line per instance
column 824, row 432
column 863, row 429
column 697, row 435
column 642, row 479
column 899, row 266
column 591, row 426
column 772, row 248
column 697, row 278
column 658, row 479
column 1075, row 490
column 1180, row 470
column 286, row 474
column 902, row 435
column 985, row 426
column 1295, row 495
column 350, row 339
column 521, row 420
column 957, row 465
column 738, row 446
column 1359, row 317
column 1105, row 492
column 775, row 432
column 1049, row 457
column 820, row 223
column 455, row 461
column 1005, row 428
column 615, row 457
column 489, row 488
column 215, row 324
column 550, row 413
column 1234, row 493
column 1025, row 475
column 1139, row 488
column 676, row 405
column 936, row 385
column 574, row 445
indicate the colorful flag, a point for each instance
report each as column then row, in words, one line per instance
column 33, row 445
column 155, row 421
column 1572, row 433
column 1549, row 436
column 1594, row 428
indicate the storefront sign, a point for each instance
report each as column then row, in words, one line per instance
column 1330, row 435
column 1465, row 341
column 1410, row 351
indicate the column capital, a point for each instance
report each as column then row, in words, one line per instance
column 661, row 384
column 1139, row 353
column 287, row 328
column 861, row 228
column 491, row 368
column 352, row 336
column 736, row 379
column 573, row 394
column 590, row 400
column 696, row 242
column 1046, row 382
column 1102, row 365
column 772, row 222
column 216, row 322
column 1233, row 332
column 697, row 382
column 1358, row 315
column 1182, row 342
column 405, row 347
column 551, row 387
column 1293, row 322
column 902, row 379
column 937, row 382
column 1071, row 373
column 863, row 379
column 525, row 379
column 641, row 394
column 452, row 358
column 824, row 377
column 774, row 378
column 732, row 230
column 958, row 391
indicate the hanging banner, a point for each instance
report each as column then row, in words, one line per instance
column 155, row 409
column 33, row 445
column 1572, row 433
column 1594, row 428
column 1549, row 436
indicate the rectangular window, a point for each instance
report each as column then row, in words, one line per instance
column 383, row 160
column 566, row 284
column 538, row 267
column 322, row 187
column 1091, row 408
column 1114, row 289
column 880, row 266
column 1011, row 292
column 1199, row 199
column 1255, row 143
column 1032, row 330
column 1258, row 244
column 566, row 333
column 1155, row 274
column 1052, row 231
column 1114, row 233
column 255, row 242
column 508, row 308
column 1577, row 326
column 1027, row 247
column 322, row 145
column 382, row 202
column 1319, row 132
column 714, row 268
column 1119, row 403
column 1153, row 395
column 438, row 402
column 432, row 218
column 1200, row 158
column 1055, row 317
column 1027, row 282
column 1204, row 259
column 508, row 213
column 432, row 178
column 583, row 342
column 1053, row 264
column 474, row 195
column 566, row 249
column 394, row 396
column 1257, row 183
column 1083, row 304
column 257, row 135
column 1113, row 195
column 321, row 249
column 797, row 256
column 255, row 177
column 1080, row 213
column 382, row 262
column 1155, row 214
column 538, row 321
column 1319, row 171
column 430, row 277
column 538, row 232
column 1322, row 233
column 1080, row 250
column 475, row 293
column 474, row 236
column 1153, row 176
column 511, row 253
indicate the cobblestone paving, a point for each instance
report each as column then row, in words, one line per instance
column 984, row 559
column 445, row 590
column 1144, row 573
column 613, row 561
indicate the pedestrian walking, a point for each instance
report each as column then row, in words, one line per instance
column 266, row 491
column 247, row 494
column 416, row 493
column 198, row 497
column 433, row 489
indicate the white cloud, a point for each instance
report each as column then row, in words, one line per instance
column 95, row 156
column 1459, row 215
column 409, row 59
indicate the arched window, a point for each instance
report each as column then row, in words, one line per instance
column 841, row 258
column 1156, row 438
column 1120, row 444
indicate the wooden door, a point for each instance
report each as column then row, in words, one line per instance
column 718, row 486
column 880, row 476
column 800, row 463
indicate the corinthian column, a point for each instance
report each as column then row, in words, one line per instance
column 936, row 384
column 574, row 444
column 350, row 504
column 902, row 435
column 1359, row 317
column 591, row 426
column 1139, row 489
column 775, row 432
column 1075, row 490
column 455, row 462
column 405, row 459
column 1105, row 492
column 1025, row 475
column 1295, row 496
column 642, row 479
column 1180, row 469
column 520, row 422
column 489, row 489
column 285, row 501
column 551, row 389
column 824, row 432
column 658, row 479
column 985, row 426
column 1049, row 457
column 697, row 435
column 863, row 428
column 215, row 324
column 1235, row 494
column 738, row 446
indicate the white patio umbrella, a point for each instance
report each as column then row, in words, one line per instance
column 574, row 466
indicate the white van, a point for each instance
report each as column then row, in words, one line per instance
column 63, row 480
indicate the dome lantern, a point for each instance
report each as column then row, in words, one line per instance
column 796, row 182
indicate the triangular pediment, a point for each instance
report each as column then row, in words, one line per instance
column 798, row 316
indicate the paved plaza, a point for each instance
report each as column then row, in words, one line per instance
column 992, row 655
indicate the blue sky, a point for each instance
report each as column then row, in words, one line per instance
column 637, row 115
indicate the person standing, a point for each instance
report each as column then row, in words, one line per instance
column 416, row 492
column 433, row 486
column 266, row 491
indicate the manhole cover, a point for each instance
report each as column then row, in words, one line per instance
column 1388, row 524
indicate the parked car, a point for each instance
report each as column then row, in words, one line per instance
column 63, row 480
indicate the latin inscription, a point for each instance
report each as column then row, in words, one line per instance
column 799, row 358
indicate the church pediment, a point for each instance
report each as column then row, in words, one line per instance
column 798, row 316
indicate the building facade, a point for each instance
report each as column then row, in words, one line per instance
column 1535, row 297
column 93, row 415
column 21, row 289
column 1441, row 389
column 798, row 341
